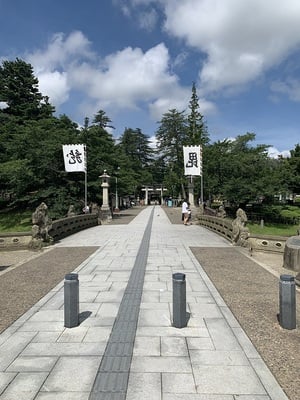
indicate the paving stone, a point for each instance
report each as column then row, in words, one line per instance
column 5, row 379
column 186, row 396
column 73, row 335
column 157, row 306
column 268, row 379
column 150, row 297
column 170, row 331
column 25, row 386
column 146, row 346
column 42, row 327
column 87, row 295
column 72, row 374
column 64, row 349
column 108, row 310
column 205, row 310
column 63, row 396
column 46, row 337
column 178, row 383
column 32, row 364
column 154, row 318
column 114, row 296
column 161, row 364
column 10, row 349
column 97, row 334
column 174, row 346
column 160, row 286
column 144, row 386
column 221, row 334
column 216, row 357
column 200, row 343
column 245, row 342
column 227, row 380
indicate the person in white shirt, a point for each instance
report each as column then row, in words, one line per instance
column 184, row 211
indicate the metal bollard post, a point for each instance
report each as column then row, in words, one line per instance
column 71, row 298
column 287, row 302
column 179, row 301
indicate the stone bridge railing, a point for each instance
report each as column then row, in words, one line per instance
column 223, row 226
column 60, row 228
column 67, row 226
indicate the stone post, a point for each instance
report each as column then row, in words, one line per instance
column 105, row 209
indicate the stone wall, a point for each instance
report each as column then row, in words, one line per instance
column 15, row 240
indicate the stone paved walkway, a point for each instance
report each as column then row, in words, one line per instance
column 210, row 359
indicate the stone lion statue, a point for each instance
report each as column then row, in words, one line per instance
column 221, row 213
column 240, row 232
column 41, row 226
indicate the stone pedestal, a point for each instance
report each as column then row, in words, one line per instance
column 291, row 257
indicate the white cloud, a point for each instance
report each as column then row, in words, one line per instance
column 240, row 39
column 55, row 86
column 290, row 87
column 178, row 98
column 61, row 51
column 275, row 153
column 52, row 64
column 127, row 79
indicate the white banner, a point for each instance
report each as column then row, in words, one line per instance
column 192, row 157
column 74, row 157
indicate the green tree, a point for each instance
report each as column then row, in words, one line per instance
column 238, row 172
column 294, row 165
column 100, row 149
column 102, row 120
column 137, row 155
column 34, row 171
column 197, row 129
column 19, row 91
column 171, row 136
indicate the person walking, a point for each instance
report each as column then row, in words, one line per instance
column 184, row 212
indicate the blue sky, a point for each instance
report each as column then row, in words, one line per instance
column 136, row 59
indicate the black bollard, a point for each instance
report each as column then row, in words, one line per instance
column 71, row 298
column 179, row 301
column 287, row 302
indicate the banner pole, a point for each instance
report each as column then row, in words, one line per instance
column 85, row 179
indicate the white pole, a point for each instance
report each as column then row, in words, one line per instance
column 85, row 179
column 117, row 200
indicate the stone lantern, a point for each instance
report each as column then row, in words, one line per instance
column 105, row 209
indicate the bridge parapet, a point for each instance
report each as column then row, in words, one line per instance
column 224, row 227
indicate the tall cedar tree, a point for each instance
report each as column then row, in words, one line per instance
column 19, row 91
column 171, row 136
column 197, row 129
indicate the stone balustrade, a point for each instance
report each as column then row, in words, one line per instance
column 223, row 226
column 60, row 228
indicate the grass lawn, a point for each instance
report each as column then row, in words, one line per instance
column 12, row 221
column 273, row 229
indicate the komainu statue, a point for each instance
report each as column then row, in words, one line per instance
column 71, row 211
column 221, row 213
column 41, row 226
column 240, row 232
